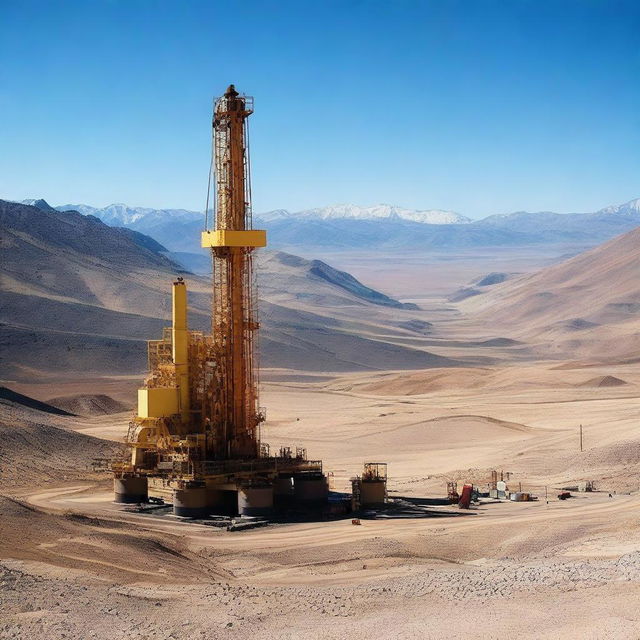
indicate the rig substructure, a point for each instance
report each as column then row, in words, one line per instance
column 195, row 439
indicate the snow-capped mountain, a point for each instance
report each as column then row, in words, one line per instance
column 121, row 215
column 375, row 212
column 276, row 214
column 631, row 208
column 38, row 202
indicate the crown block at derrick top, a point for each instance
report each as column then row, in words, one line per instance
column 231, row 238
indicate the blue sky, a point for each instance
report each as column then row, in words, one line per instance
column 475, row 106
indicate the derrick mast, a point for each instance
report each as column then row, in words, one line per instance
column 194, row 439
column 231, row 409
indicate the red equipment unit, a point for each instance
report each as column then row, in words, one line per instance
column 465, row 499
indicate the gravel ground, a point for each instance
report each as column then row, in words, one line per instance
column 46, row 606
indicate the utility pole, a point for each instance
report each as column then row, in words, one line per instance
column 581, row 438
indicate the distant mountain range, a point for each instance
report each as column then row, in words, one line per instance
column 382, row 227
column 124, row 216
column 121, row 215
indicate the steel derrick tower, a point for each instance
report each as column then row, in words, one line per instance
column 230, row 407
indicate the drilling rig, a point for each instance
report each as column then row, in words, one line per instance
column 195, row 438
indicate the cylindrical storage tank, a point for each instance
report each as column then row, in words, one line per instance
column 131, row 490
column 255, row 501
column 283, row 492
column 222, row 502
column 310, row 490
column 190, row 502
column 372, row 493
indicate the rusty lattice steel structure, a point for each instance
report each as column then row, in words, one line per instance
column 232, row 403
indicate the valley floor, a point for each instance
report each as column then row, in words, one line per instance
column 73, row 565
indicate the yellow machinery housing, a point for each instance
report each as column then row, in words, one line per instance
column 158, row 403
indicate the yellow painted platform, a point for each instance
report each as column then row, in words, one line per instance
column 229, row 238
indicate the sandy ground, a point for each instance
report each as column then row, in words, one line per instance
column 74, row 565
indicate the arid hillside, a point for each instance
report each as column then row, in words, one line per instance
column 75, row 294
column 586, row 307
column 37, row 445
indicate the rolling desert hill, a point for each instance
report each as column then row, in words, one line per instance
column 38, row 445
column 95, row 404
column 316, row 283
column 588, row 306
column 10, row 396
column 80, row 296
